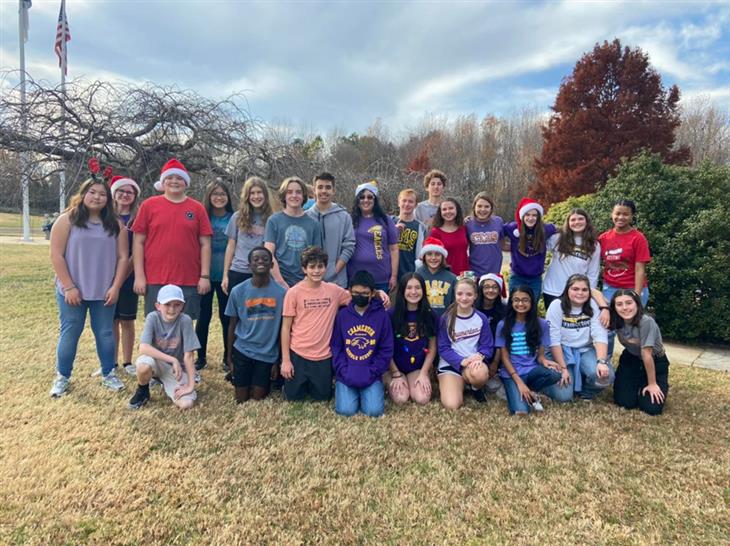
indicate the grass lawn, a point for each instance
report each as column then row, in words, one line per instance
column 84, row 469
column 12, row 224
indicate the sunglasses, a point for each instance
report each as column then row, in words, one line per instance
column 366, row 197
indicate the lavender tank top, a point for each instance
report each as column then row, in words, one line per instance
column 91, row 258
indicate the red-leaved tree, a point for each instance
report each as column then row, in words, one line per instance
column 611, row 107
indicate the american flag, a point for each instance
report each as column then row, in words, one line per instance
column 63, row 35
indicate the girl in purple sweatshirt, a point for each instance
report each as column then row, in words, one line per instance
column 362, row 346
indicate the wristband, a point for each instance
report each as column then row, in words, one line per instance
column 205, row 276
column 397, row 376
column 604, row 307
column 72, row 287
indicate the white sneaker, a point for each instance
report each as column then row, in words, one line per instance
column 537, row 405
column 197, row 376
column 59, row 387
column 131, row 369
column 112, row 382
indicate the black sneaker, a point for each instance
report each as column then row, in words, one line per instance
column 200, row 363
column 479, row 395
column 140, row 397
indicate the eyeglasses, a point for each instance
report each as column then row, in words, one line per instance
column 366, row 294
column 521, row 300
column 124, row 192
column 366, row 197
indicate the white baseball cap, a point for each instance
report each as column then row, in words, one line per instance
column 170, row 292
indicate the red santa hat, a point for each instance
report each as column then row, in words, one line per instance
column 498, row 278
column 431, row 244
column 525, row 206
column 172, row 167
column 120, row 182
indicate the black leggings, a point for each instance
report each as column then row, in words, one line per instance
column 631, row 379
column 206, row 314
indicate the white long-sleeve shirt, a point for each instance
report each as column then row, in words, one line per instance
column 577, row 329
column 563, row 266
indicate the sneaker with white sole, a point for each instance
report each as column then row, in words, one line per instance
column 154, row 382
column 112, row 382
column 130, row 368
column 59, row 387
column 536, row 404
column 197, row 376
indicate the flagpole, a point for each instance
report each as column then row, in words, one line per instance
column 22, row 33
column 62, row 176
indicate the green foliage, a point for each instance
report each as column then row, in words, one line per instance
column 685, row 214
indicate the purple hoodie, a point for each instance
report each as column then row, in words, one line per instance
column 362, row 345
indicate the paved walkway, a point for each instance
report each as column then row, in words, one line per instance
column 711, row 358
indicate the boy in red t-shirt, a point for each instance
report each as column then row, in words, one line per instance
column 171, row 243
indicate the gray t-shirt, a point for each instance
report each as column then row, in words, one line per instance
column 646, row 334
column 425, row 211
column 172, row 338
column 291, row 235
column 245, row 241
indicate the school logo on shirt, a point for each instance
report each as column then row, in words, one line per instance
column 189, row 214
column 377, row 232
column 575, row 322
column 484, row 238
column 412, row 332
column 295, row 238
column 407, row 239
column 615, row 263
column 360, row 342
column 436, row 292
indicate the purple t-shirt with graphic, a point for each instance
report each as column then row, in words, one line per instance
column 372, row 253
column 485, row 245
column 523, row 360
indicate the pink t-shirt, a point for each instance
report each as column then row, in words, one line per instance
column 314, row 311
column 621, row 252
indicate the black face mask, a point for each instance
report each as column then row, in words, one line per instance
column 360, row 300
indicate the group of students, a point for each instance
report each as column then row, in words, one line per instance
column 376, row 302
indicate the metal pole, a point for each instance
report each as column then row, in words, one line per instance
column 23, row 126
column 62, row 177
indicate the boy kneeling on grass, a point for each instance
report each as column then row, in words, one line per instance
column 167, row 341
column 362, row 346
column 254, row 308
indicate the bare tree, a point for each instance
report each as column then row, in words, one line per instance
column 134, row 129
column 705, row 129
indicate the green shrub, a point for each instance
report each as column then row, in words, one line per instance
column 685, row 214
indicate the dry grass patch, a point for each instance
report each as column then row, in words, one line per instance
column 84, row 469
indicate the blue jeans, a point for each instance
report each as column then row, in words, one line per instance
column 589, row 378
column 72, row 325
column 535, row 284
column 608, row 292
column 536, row 379
column 370, row 400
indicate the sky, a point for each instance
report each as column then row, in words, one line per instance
column 342, row 65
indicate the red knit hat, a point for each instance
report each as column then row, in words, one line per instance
column 498, row 278
column 172, row 167
column 525, row 206
column 120, row 182
column 431, row 244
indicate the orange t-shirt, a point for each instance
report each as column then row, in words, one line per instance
column 314, row 311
